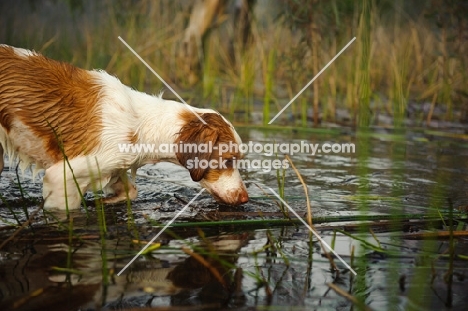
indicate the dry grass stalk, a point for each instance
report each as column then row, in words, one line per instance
column 348, row 296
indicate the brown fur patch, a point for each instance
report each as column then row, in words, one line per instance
column 55, row 100
column 215, row 130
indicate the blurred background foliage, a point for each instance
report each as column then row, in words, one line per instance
column 415, row 67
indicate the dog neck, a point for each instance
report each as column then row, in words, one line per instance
column 157, row 126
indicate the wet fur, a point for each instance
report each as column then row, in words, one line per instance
column 49, row 109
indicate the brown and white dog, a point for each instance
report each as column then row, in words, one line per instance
column 51, row 111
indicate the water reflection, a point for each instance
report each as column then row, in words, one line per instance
column 235, row 267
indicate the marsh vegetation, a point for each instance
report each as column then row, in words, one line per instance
column 395, row 210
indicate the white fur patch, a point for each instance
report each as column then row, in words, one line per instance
column 128, row 116
column 21, row 52
column 23, row 146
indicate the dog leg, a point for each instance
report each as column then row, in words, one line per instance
column 123, row 189
column 54, row 188
column 85, row 174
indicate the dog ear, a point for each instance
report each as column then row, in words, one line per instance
column 195, row 133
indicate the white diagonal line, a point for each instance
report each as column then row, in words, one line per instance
column 159, row 233
column 308, row 84
column 160, row 78
column 313, row 231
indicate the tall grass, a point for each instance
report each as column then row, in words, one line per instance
column 363, row 74
column 363, row 91
column 412, row 54
column 269, row 68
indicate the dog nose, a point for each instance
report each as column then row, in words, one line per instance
column 243, row 197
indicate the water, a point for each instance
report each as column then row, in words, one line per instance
column 411, row 174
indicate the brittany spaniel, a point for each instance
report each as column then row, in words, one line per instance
column 70, row 122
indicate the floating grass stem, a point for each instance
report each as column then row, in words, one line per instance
column 306, row 191
column 449, row 274
column 280, row 179
column 130, row 218
column 12, row 212
column 70, row 249
column 25, row 209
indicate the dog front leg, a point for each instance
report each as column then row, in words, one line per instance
column 63, row 187
column 122, row 189
column 59, row 188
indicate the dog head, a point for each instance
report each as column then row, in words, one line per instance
column 202, row 150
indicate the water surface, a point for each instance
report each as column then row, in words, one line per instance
column 414, row 174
